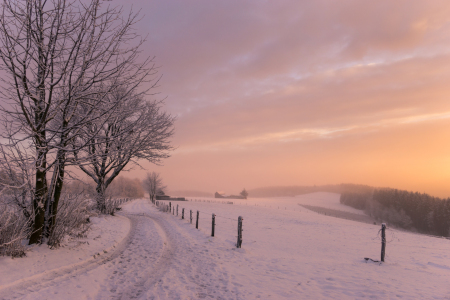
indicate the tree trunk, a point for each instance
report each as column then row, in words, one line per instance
column 101, row 199
column 57, row 192
column 40, row 196
column 39, row 136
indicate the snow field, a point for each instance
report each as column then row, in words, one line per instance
column 291, row 252
column 287, row 253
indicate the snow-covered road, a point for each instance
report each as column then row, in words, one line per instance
column 143, row 265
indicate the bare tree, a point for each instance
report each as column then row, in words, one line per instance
column 16, row 176
column 59, row 55
column 153, row 185
column 139, row 130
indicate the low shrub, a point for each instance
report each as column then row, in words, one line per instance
column 72, row 219
column 14, row 230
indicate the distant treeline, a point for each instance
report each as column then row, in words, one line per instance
column 408, row 210
column 291, row 191
column 121, row 187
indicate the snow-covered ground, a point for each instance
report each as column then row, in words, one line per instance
column 288, row 252
column 327, row 200
column 106, row 233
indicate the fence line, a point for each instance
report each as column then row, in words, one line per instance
column 390, row 238
column 171, row 209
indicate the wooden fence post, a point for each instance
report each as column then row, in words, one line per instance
column 190, row 215
column 182, row 214
column 170, row 206
column 196, row 222
column 213, row 224
column 239, row 237
column 177, row 210
column 383, row 241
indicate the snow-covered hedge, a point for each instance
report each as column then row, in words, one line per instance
column 14, row 229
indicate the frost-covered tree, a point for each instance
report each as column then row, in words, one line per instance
column 59, row 55
column 153, row 185
column 138, row 130
column 408, row 210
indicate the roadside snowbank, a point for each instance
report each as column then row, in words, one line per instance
column 105, row 233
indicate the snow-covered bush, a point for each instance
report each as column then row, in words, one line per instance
column 163, row 207
column 14, row 229
column 112, row 205
column 72, row 219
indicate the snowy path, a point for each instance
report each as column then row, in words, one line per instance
column 143, row 265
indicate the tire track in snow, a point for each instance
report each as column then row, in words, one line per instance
column 186, row 268
column 194, row 271
column 149, row 258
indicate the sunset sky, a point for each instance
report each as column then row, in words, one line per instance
column 303, row 92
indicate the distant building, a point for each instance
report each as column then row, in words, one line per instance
column 165, row 197
column 217, row 195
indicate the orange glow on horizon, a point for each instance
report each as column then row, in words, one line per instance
column 303, row 93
